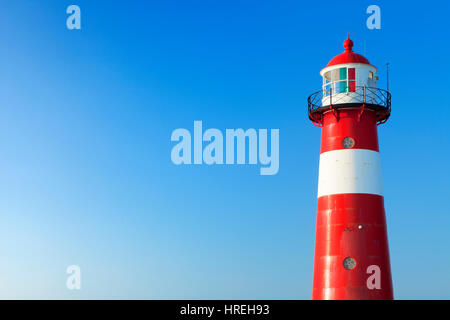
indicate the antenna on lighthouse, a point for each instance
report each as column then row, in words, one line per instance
column 387, row 76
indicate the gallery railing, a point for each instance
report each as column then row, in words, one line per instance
column 378, row 100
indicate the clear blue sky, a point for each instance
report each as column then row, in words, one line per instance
column 85, row 124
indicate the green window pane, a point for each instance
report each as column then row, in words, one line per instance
column 342, row 73
column 342, row 76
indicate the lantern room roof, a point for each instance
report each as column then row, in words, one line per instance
column 348, row 56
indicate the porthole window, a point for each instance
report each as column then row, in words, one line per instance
column 348, row 143
column 349, row 263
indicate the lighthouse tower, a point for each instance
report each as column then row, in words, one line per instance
column 351, row 254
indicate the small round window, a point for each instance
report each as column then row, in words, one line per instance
column 348, row 143
column 349, row 263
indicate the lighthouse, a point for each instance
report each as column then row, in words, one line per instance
column 351, row 260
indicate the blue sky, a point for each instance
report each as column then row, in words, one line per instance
column 85, row 123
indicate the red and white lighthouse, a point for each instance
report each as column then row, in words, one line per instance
column 351, row 252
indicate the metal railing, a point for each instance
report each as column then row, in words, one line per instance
column 373, row 98
column 334, row 86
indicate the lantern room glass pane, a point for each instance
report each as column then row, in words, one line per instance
column 342, row 73
column 335, row 75
column 351, row 86
column 327, row 90
column 351, row 73
column 342, row 84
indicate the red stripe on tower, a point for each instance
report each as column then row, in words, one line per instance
column 352, row 253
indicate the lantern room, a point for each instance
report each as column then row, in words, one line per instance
column 349, row 80
column 346, row 76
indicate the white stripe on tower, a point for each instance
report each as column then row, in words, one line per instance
column 349, row 171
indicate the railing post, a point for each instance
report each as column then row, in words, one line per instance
column 364, row 94
column 331, row 95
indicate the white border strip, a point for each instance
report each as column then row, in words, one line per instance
column 350, row 171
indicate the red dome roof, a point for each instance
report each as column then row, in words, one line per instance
column 348, row 56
